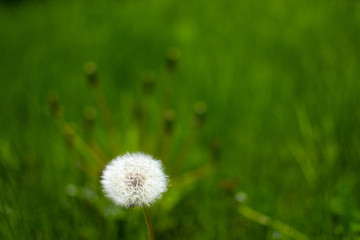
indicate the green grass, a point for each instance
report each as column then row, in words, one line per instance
column 280, row 80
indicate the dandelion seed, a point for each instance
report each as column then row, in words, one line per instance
column 134, row 179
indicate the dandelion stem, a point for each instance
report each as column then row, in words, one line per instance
column 148, row 223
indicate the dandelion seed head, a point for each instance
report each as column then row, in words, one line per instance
column 134, row 179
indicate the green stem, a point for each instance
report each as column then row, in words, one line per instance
column 148, row 223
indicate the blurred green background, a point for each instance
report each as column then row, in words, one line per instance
column 252, row 105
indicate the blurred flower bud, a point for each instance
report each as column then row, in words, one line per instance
column 229, row 186
column 69, row 131
column 89, row 115
column 169, row 119
column 90, row 70
column 215, row 148
column 55, row 108
column 148, row 80
column 138, row 112
column 172, row 59
column 200, row 111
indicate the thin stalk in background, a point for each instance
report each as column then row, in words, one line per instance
column 200, row 109
column 93, row 161
column 264, row 220
column 102, row 105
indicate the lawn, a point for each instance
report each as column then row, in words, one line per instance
column 253, row 107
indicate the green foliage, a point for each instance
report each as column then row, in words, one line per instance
column 257, row 100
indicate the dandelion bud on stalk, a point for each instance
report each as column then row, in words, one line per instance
column 169, row 119
column 172, row 58
column 148, row 80
column 200, row 109
column 53, row 103
column 215, row 148
column 89, row 115
column 70, row 131
column 90, row 70
column 135, row 180
column 138, row 112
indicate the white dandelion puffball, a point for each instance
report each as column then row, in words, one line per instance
column 134, row 179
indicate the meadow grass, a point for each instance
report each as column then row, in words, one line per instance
column 271, row 150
